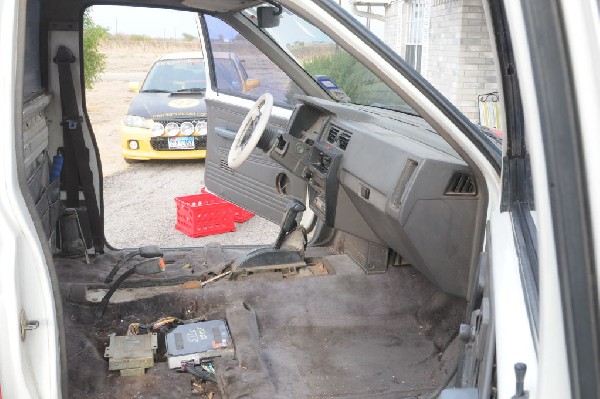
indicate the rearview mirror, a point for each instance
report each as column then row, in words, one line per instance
column 268, row 17
column 134, row 86
column 250, row 84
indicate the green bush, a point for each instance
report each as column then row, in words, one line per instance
column 188, row 38
column 347, row 73
column 94, row 61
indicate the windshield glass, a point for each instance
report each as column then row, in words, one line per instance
column 341, row 75
column 171, row 76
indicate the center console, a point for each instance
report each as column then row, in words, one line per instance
column 322, row 170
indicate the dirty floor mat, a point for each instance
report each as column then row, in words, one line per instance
column 341, row 335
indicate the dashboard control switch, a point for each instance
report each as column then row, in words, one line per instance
column 365, row 192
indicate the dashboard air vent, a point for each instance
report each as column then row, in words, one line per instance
column 333, row 134
column 344, row 139
column 462, row 184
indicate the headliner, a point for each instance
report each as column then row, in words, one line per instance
column 70, row 10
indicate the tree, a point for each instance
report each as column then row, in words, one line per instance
column 347, row 73
column 94, row 61
column 188, row 38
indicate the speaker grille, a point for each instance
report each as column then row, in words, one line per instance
column 225, row 166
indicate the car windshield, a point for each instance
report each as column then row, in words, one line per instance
column 178, row 75
column 341, row 75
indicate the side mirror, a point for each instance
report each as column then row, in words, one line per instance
column 134, row 86
column 250, row 84
column 268, row 17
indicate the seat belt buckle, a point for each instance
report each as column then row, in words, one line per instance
column 72, row 124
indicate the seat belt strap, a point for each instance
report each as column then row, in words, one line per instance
column 70, row 172
column 75, row 148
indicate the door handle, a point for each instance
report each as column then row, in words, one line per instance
column 225, row 133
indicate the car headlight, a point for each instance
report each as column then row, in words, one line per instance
column 201, row 128
column 187, row 128
column 157, row 129
column 137, row 121
column 172, row 129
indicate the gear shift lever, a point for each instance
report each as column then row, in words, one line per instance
column 288, row 222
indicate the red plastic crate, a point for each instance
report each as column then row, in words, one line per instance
column 240, row 215
column 201, row 215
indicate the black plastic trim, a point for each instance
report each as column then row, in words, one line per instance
column 517, row 192
column 569, row 201
column 525, row 235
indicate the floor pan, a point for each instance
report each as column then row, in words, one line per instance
column 340, row 335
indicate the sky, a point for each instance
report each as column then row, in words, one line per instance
column 163, row 24
column 153, row 22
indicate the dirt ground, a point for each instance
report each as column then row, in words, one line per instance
column 139, row 206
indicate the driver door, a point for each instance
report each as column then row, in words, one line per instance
column 239, row 73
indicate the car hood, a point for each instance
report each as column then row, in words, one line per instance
column 167, row 105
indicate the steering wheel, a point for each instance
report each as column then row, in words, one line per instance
column 250, row 131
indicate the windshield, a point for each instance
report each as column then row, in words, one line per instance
column 341, row 75
column 172, row 76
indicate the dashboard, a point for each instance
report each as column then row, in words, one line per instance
column 389, row 179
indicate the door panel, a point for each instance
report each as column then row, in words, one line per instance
column 253, row 186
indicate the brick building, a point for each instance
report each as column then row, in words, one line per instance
column 447, row 41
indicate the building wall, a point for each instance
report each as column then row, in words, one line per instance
column 461, row 63
column 457, row 52
column 393, row 27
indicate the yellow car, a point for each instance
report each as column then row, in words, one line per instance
column 167, row 119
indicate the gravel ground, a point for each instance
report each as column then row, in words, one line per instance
column 139, row 206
